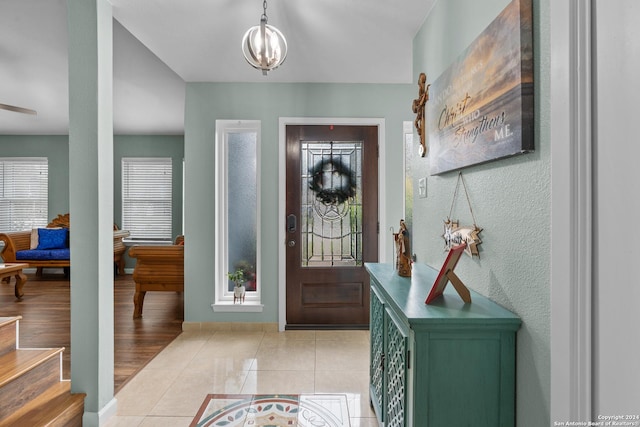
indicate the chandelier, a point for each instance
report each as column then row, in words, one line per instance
column 264, row 46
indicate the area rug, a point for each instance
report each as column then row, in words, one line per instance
column 273, row 410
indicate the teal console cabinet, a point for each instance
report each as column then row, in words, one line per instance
column 439, row 365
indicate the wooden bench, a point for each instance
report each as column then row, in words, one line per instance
column 158, row 268
column 16, row 241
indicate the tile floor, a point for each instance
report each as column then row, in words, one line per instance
column 171, row 388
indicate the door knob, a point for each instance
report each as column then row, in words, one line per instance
column 291, row 243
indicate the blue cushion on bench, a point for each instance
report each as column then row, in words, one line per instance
column 44, row 255
column 52, row 238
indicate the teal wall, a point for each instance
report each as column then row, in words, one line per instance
column 510, row 200
column 56, row 149
column 267, row 102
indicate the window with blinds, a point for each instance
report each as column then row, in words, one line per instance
column 24, row 192
column 146, row 197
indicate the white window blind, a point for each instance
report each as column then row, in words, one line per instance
column 146, row 197
column 24, row 188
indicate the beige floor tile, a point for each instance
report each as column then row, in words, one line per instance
column 177, row 354
column 296, row 355
column 142, row 392
column 119, row 421
column 342, row 381
column 192, row 336
column 364, row 422
column 342, row 356
column 166, row 422
column 245, row 336
column 281, row 382
column 231, row 344
column 351, row 336
column 230, row 349
column 208, row 364
column 274, row 341
column 290, row 335
column 185, row 395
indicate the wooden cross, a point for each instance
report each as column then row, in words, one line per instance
column 418, row 108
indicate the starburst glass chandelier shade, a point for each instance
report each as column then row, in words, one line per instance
column 264, row 46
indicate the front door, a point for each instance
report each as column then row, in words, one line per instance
column 331, row 224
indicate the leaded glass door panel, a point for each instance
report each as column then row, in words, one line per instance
column 331, row 223
column 331, row 209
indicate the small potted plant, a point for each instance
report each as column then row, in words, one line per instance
column 249, row 273
column 238, row 278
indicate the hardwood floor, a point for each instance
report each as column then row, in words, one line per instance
column 46, row 320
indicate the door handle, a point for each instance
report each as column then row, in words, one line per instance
column 291, row 223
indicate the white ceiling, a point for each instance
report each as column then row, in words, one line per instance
column 161, row 44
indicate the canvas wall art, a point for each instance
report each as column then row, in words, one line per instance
column 481, row 108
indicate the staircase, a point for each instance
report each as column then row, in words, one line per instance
column 32, row 391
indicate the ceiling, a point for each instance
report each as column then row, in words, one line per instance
column 159, row 45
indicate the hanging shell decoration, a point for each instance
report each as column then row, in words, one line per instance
column 455, row 235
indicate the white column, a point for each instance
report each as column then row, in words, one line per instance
column 91, row 205
column 571, row 212
column 616, row 151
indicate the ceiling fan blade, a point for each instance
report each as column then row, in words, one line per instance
column 17, row 109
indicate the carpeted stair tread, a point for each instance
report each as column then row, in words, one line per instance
column 55, row 407
column 21, row 361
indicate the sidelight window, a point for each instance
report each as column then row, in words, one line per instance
column 237, row 209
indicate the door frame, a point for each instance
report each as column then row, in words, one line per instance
column 382, row 242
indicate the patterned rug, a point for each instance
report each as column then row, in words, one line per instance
column 273, row 410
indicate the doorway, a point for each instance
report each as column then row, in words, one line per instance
column 331, row 224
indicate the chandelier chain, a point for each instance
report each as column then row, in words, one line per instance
column 264, row 7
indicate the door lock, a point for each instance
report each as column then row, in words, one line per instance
column 291, row 223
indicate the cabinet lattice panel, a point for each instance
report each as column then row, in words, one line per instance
column 377, row 347
column 396, row 378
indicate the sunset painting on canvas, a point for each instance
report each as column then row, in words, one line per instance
column 481, row 108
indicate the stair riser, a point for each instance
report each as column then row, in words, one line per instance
column 62, row 411
column 21, row 390
column 72, row 417
column 8, row 334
